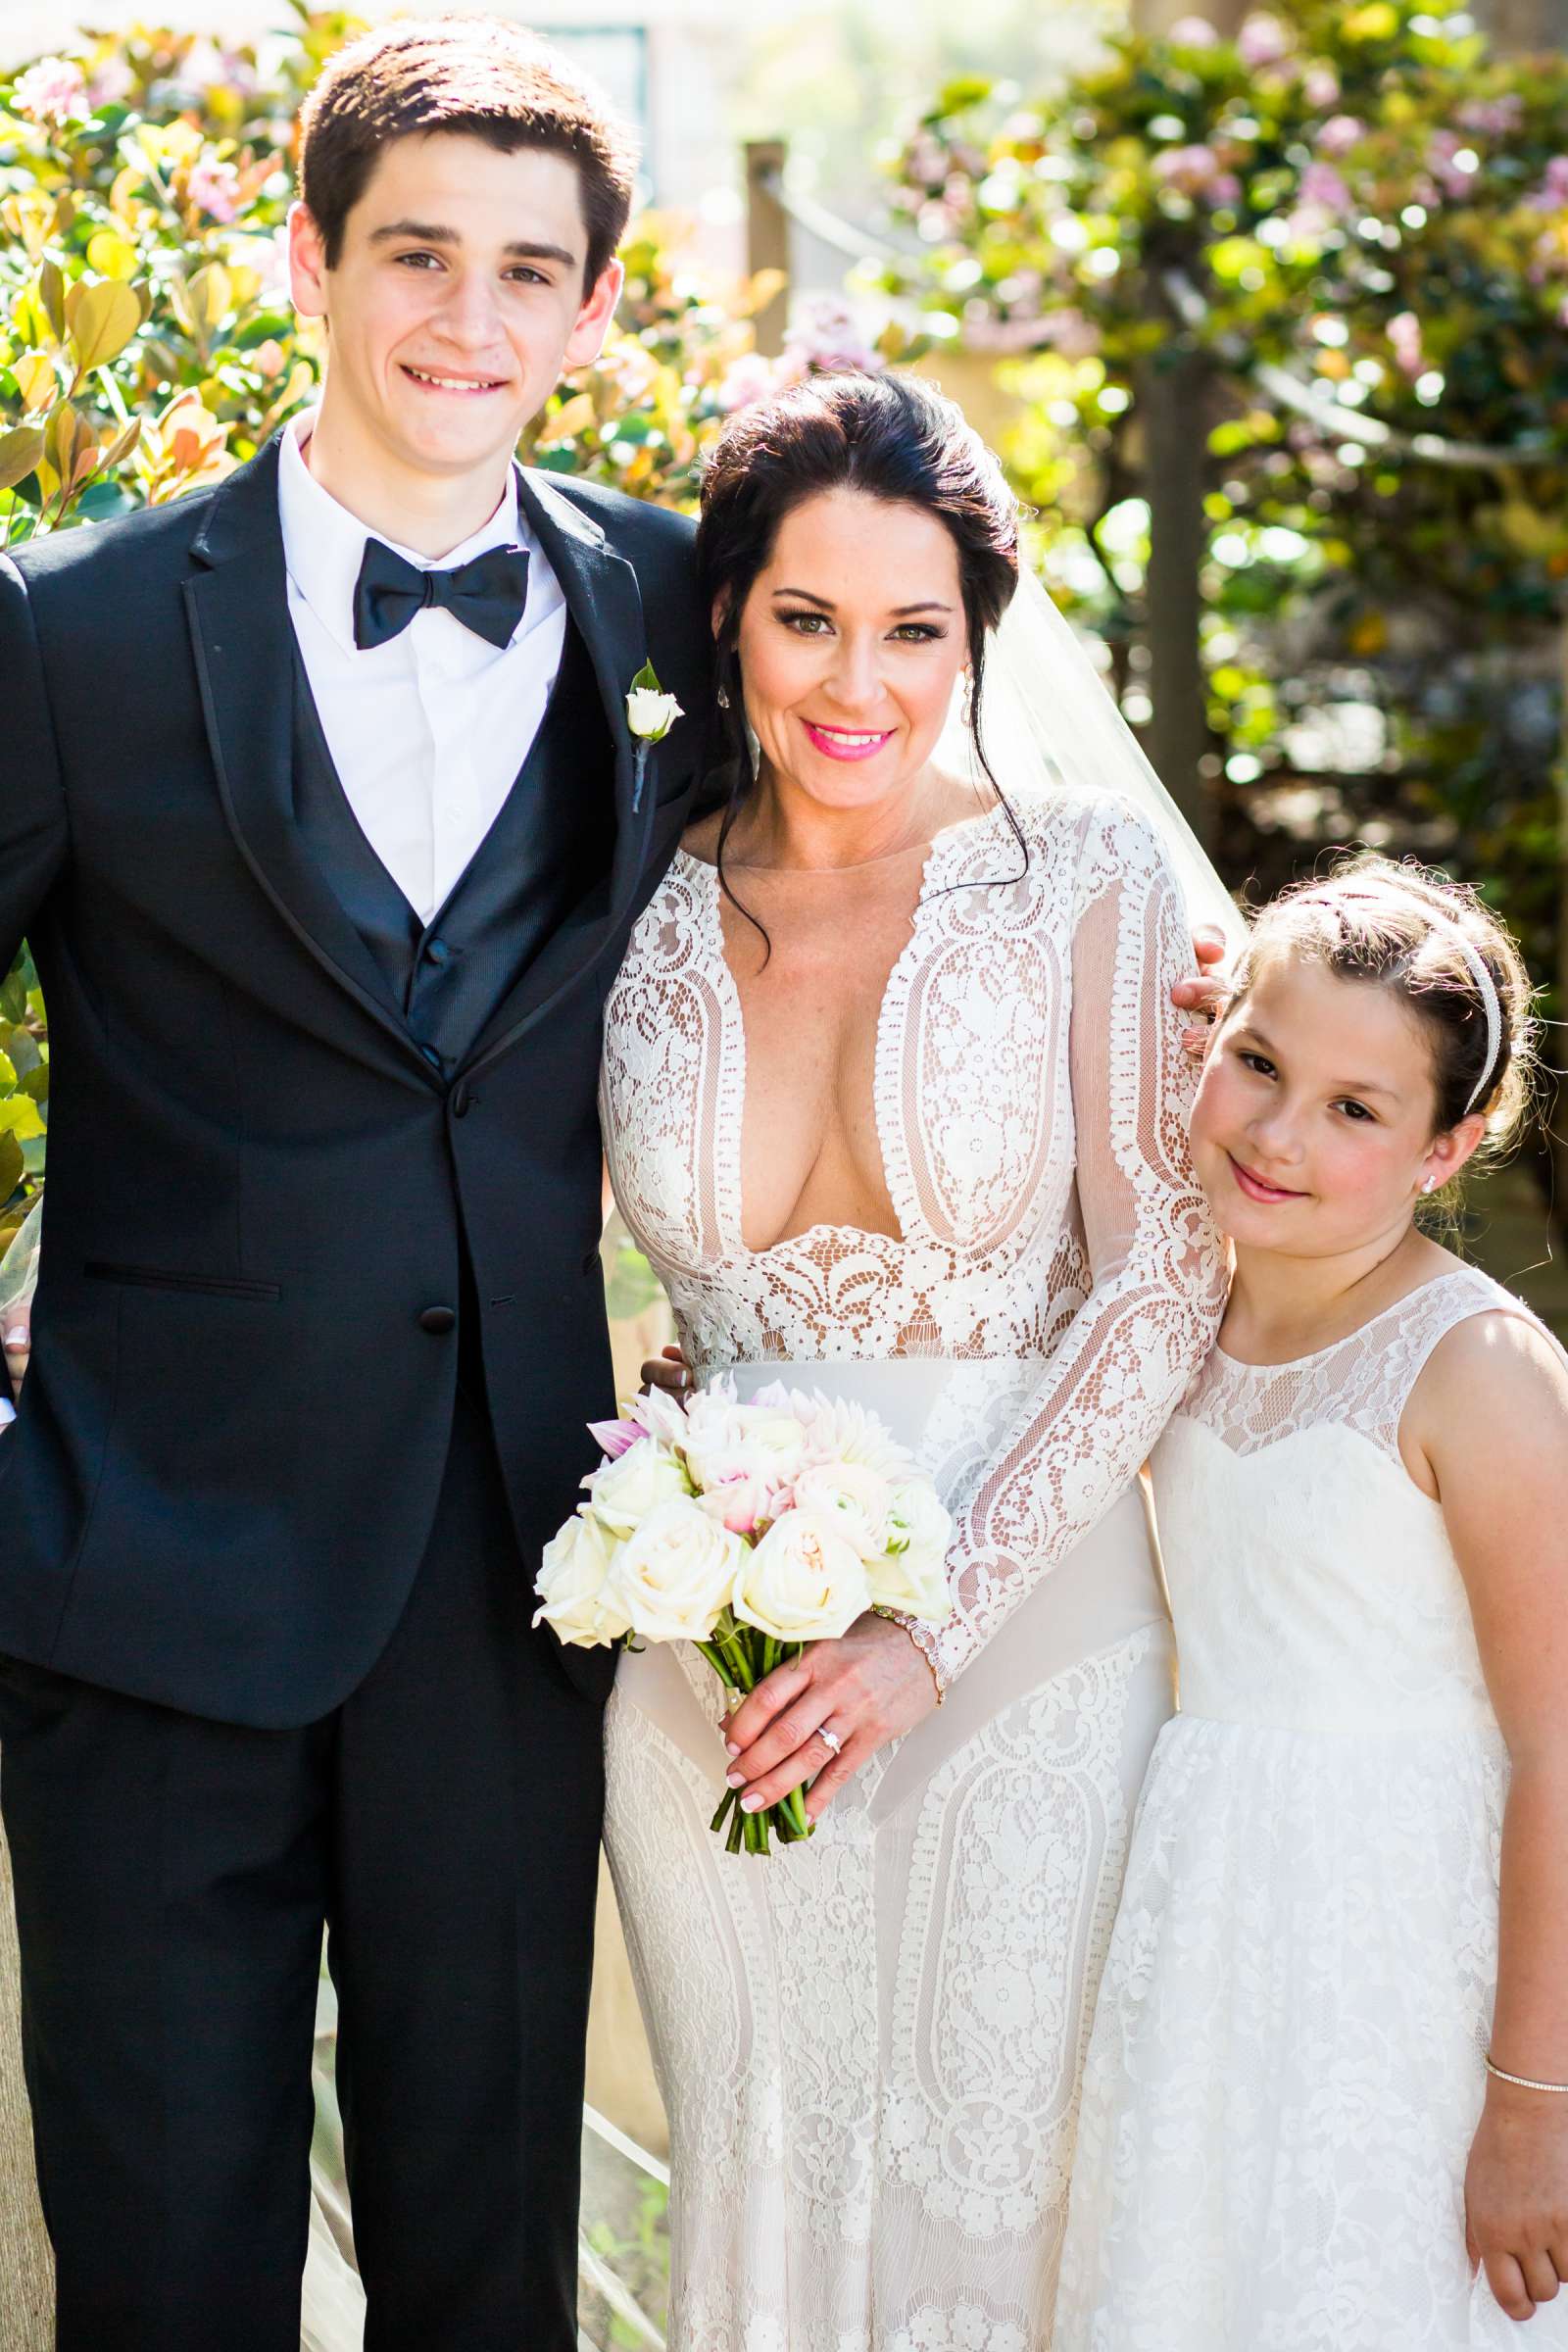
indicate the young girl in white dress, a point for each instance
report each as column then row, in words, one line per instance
column 1326, row 2101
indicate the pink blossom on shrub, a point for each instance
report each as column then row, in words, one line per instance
column 1492, row 118
column 829, row 336
column 54, row 90
column 1452, row 178
column 1323, row 194
column 1320, row 86
column 112, row 84
column 1193, row 33
column 1340, row 134
column 1197, row 171
column 746, row 379
column 1068, row 331
column 1263, row 41
column 1405, row 338
column 1552, row 194
column 215, row 187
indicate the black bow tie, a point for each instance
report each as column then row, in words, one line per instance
column 487, row 596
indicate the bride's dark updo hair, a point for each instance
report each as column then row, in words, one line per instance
column 889, row 437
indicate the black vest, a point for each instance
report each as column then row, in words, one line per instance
column 548, row 848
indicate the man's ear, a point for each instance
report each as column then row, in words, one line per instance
column 306, row 263
column 593, row 322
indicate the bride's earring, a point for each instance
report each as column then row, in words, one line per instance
column 722, row 698
column 1429, row 1184
column 966, row 700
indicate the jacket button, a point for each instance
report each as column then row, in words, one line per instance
column 463, row 1099
column 438, row 1319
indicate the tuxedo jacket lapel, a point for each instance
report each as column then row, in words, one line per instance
column 237, row 605
column 606, row 604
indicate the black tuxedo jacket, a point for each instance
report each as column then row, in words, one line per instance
column 263, row 1206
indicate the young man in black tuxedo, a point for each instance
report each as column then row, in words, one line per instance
column 320, row 810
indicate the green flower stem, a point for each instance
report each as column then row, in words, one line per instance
column 792, row 1810
column 738, row 1822
column 732, row 1796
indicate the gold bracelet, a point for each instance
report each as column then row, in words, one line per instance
column 1524, row 2082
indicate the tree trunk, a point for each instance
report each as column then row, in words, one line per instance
column 1522, row 28
column 26, row 2265
column 1172, row 410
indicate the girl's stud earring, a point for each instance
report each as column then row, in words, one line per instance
column 1429, row 1184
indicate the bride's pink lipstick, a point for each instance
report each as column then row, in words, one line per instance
column 845, row 743
column 1255, row 1189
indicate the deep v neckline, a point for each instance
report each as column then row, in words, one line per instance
column 731, row 1136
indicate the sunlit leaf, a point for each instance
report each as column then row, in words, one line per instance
column 11, row 1165
column 19, row 1117
column 103, row 319
column 20, row 452
column 113, row 256
column 36, row 380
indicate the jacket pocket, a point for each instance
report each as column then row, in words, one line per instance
column 153, row 1278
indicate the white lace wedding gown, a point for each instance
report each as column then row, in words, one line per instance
column 869, row 2046
column 1285, row 2069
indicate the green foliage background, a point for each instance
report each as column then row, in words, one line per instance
column 1366, row 202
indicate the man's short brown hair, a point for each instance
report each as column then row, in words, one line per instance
column 477, row 76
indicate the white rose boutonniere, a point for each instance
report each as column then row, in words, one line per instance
column 651, row 712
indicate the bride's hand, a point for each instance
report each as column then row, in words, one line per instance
column 867, row 1689
column 1517, row 2196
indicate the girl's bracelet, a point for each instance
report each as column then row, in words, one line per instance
column 1524, row 2082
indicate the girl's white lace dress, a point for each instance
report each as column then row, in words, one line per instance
column 869, row 2046
column 1285, row 2069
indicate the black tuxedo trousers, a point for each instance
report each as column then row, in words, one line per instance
column 172, row 1874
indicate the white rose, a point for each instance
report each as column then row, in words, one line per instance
column 574, row 1585
column 727, row 1441
column 913, row 1573
column 622, row 1492
column 651, row 714
column 804, row 1582
column 855, row 1497
column 675, row 1572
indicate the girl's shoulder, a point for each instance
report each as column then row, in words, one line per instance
column 1489, row 1366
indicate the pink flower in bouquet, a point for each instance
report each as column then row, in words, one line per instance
column 1340, row 134
column 54, row 90
column 215, row 187
column 1263, row 41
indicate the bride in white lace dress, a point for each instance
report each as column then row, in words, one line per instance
column 1290, row 2136
column 905, row 1124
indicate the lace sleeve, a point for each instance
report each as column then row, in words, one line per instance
column 1159, row 1280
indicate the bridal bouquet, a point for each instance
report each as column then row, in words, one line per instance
column 749, row 1529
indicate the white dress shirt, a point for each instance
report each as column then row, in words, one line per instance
column 427, row 731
